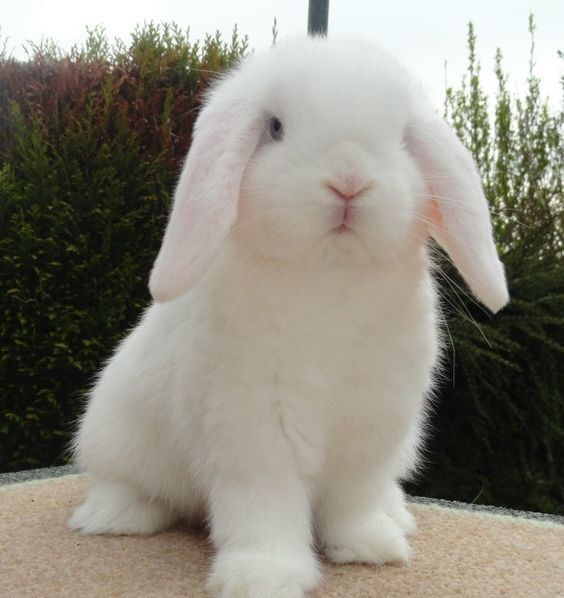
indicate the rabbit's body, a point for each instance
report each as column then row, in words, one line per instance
column 278, row 386
column 320, row 387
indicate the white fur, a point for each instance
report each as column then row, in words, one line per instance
column 283, row 395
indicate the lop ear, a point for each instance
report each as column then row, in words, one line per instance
column 226, row 135
column 457, row 209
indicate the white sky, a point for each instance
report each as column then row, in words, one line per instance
column 422, row 34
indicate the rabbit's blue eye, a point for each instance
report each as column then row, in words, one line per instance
column 276, row 130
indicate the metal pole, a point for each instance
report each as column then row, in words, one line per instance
column 318, row 17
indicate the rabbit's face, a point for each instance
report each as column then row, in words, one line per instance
column 330, row 178
column 323, row 150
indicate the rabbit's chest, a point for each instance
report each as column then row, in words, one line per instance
column 372, row 362
column 359, row 361
column 327, row 369
column 350, row 382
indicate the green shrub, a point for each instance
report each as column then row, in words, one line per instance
column 90, row 146
column 500, row 419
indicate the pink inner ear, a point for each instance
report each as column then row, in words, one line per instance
column 433, row 213
column 457, row 211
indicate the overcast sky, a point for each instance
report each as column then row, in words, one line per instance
column 422, row 34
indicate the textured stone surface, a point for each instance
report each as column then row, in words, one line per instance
column 457, row 552
column 55, row 472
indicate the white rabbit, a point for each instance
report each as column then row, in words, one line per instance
column 278, row 384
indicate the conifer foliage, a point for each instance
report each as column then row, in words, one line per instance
column 499, row 421
column 91, row 143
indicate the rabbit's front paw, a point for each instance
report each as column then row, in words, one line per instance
column 250, row 574
column 374, row 539
column 114, row 508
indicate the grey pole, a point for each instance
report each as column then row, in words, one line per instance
column 318, row 17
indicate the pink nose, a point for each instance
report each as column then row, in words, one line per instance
column 347, row 188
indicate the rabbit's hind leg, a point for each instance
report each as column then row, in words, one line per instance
column 116, row 508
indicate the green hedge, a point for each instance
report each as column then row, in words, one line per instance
column 499, row 421
column 90, row 148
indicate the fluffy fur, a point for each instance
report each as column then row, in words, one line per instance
column 278, row 384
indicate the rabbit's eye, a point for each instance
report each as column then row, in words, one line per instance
column 276, row 130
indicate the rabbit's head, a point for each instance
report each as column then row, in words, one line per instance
column 325, row 150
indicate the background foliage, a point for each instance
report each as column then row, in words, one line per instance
column 90, row 147
column 499, row 420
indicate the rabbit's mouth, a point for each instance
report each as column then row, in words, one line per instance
column 345, row 217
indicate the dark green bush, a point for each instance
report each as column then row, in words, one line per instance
column 90, row 147
column 500, row 417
